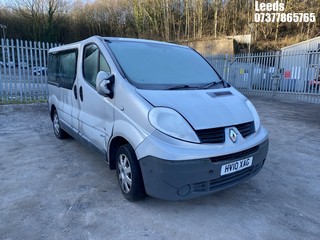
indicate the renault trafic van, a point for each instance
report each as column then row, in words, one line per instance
column 158, row 113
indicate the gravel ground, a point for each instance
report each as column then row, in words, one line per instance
column 58, row 189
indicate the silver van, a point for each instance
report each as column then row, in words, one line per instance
column 158, row 113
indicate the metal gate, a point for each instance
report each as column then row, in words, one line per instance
column 23, row 75
column 293, row 75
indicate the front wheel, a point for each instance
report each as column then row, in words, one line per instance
column 129, row 174
column 58, row 131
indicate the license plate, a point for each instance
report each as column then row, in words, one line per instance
column 236, row 166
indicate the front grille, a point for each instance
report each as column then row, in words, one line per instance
column 213, row 135
column 217, row 135
column 246, row 129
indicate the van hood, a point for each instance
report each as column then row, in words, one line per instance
column 203, row 108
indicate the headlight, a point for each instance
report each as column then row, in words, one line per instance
column 170, row 122
column 255, row 115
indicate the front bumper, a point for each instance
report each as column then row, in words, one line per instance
column 177, row 180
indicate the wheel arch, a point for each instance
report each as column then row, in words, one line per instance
column 52, row 109
column 124, row 132
column 114, row 145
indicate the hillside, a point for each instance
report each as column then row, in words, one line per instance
column 61, row 21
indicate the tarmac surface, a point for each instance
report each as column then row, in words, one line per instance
column 58, row 189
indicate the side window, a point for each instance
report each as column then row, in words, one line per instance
column 67, row 69
column 52, row 68
column 104, row 65
column 63, row 68
column 93, row 62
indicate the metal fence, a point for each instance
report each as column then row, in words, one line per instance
column 291, row 75
column 23, row 67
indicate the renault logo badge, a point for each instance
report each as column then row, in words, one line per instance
column 232, row 135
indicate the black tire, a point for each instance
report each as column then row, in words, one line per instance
column 58, row 131
column 129, row 174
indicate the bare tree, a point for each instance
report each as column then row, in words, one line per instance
column 170, row 20
column 39, row 16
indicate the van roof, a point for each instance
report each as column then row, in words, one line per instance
column 65, row 47
column 108, row 39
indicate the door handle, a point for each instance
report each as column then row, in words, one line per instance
column 81, row 93
column 75, row 92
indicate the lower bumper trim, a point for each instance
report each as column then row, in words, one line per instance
column 177, row 180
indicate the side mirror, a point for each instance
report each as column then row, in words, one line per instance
column 104, row 84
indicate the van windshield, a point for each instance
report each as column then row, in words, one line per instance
column 163, row 66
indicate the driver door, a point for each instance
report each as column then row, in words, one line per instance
column 96, row 114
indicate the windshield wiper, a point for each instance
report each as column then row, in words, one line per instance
column 185, row 86
column 182, row 86
column 209, row 85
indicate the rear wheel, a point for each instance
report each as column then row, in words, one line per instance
column 58, row 131
column 129, row 174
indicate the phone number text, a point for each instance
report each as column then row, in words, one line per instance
column 284, row 17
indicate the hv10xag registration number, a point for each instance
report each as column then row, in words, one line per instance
column 236, row 166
